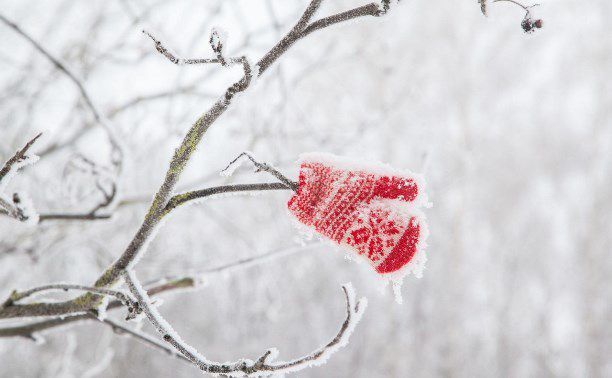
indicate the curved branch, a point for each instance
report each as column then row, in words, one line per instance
column 366, row 10
column 243, row 367
column 67, row 216
column 19, row 295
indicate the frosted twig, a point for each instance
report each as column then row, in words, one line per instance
column 84, row 164
column 155, row 287
column 73, row 217
column 217, row 47
column 193, row 137
column 244, row 367
column 159, row 46
column 17, row 206
column 124, row 299
column 16, row 161
column 266, row 168
column 144, row 338
column 181, row 199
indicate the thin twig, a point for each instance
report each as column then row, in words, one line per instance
column 124, row 299
column 72, row 217
column 181, row 199
column 15, row 207
column 266, row 168
column 155, row 287
column 17, row 157
column 246, row 367
column 144, row 338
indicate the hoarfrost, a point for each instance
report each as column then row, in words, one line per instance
column 218, row 40
column 19, row 164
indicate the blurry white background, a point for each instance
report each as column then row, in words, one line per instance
column 512, row 131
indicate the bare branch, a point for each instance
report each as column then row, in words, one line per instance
column 247, row 367
column 302, row 28
column 159, row 46
column 143, row 338
column 181, row 199
column 72, row 217
column 266, row 168
column 155, row 287
column 28, row 330
column 20, row 156
column 133, row 307
column 16, row 206
column 366, row 10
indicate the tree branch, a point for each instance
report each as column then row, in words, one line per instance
column 143, row 338
column 366, row 10
column 181, row 199
column 266, row 168
column 241, row 367
column 16, row 161
column 8, row 308
column 155, row 287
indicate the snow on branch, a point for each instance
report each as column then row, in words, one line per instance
column 244, row 367
column 144, row 338
column 106, row 186
column 217, row 44
column 18, row 206
column 123, row 298
column 19, row 160
column 168, row 284
column 227, row 171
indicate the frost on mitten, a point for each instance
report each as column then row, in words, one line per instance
column 370, row 208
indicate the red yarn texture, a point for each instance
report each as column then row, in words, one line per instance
column 361, row 209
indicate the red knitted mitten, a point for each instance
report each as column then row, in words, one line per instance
column 370, row 208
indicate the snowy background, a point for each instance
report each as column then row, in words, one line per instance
column 512, row 131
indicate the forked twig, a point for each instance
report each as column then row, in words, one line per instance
column 266, row 168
